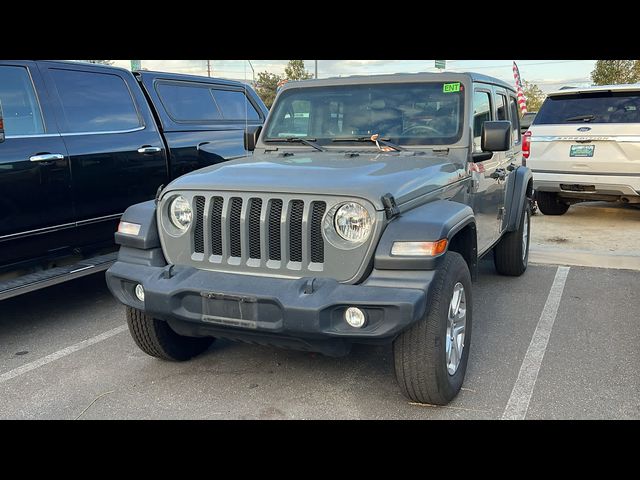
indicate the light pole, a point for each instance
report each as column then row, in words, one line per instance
column 253, row 73
column 316, row 69
column 208, row 68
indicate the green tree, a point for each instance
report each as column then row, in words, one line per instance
column 534, row 95
column 267, row 86
column 103, row 62
column 611, row 72
column 295, row 71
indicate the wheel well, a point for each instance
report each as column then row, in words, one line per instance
column 530, row 189
column 465, row 243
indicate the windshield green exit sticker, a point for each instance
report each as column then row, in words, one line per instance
column 451, row 87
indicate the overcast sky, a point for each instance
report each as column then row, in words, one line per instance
column 548, row 74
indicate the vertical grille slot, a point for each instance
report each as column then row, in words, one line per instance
column 198, row 230
column 274, row 229
column 254, row 227
column 317, row 242
column 234, row 227
column 295, row 231
column 216, row 225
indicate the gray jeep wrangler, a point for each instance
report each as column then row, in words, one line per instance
column 360, row 218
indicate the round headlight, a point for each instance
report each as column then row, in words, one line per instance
column 180, row 213
column 353, row 222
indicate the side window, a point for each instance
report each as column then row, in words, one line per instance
column 501, row 110
column 95, row 102
column 22, row 115
column 234, row 105
column 515, row 118
column 188, row 103
column 481, row 114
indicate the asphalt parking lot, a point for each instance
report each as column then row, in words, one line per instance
column 543, row 347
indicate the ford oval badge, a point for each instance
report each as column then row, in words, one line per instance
column 584, row 129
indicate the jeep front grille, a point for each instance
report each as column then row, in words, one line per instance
column 255, row 229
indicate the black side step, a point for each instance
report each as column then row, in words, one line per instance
column 46, row 278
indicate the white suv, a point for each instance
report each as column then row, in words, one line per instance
column 584, row 144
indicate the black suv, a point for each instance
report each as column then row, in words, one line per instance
column 82, row 142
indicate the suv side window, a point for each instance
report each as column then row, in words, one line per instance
column 501, row 110
column 187, row 102
column 22, row 115
column 95, row 102
column 515, row 119
column 481, row 114
column 234, row 105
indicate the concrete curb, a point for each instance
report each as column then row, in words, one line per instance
column 584, row 258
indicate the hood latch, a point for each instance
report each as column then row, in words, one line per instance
column 390, row 207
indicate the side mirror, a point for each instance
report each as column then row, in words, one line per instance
column 251, row 137
column 1, row 125
column 496, row 136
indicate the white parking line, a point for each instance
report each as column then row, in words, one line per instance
column 518, row 403
column 61, row 353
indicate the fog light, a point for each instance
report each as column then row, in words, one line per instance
column 355, row 317
column 140, row 292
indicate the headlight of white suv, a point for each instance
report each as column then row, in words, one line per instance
column 180, row 213
column 353, row 222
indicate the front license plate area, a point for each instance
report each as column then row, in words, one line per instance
column 230, row 310
column 581, row 150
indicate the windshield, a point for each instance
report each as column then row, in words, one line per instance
column 592, row 107
column 403, row 113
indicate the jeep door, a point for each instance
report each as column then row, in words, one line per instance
column 488, row 169
column 36, row 208
column 116, row 152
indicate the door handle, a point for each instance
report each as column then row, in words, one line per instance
column 148, row 149
column 46, row 157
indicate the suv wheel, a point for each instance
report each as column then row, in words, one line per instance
column 430, row 358
column 156, row 338
column 550, row 204
column 511, row 254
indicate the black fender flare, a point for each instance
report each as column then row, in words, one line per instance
column 143, row 214
column 430, row 222
column 515, row 196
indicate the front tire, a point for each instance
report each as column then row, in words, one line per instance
column 430, row 358
column 550, row 204
column 156, row 338
column 511, row 254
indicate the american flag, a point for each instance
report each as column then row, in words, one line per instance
column 522, row 100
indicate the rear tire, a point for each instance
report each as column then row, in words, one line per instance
column 156, row 338
column 421, row 353
column 511, row 254
column 550, row 204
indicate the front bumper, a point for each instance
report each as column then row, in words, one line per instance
column 306, row 313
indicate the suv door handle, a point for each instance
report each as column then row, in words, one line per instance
column 46, row 157
column 148, row 149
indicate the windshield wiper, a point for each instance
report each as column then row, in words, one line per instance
column 373, row 138
column 585, row 118
column 306, row 141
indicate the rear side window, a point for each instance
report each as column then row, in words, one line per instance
column 201, row 103
column 95, row 102
column 188, row 103
column 20, row 107
column 234, row 105
column 515, row 119
column 593, row 107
